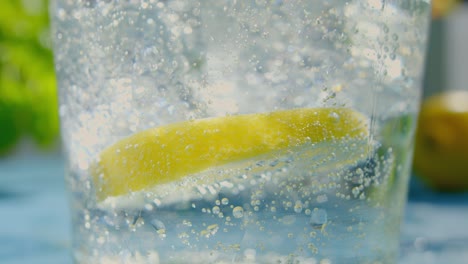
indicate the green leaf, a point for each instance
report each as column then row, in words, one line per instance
column 17, row 21
column 28, row 94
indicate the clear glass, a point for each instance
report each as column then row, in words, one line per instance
column 267, row 131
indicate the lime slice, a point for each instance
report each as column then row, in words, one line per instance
column 172, row 152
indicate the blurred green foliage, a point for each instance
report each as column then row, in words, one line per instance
column 28, row 97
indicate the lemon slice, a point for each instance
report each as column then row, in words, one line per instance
column 172, row 152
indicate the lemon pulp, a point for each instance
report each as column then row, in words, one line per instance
column 172, row 152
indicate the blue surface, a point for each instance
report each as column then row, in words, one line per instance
column 35, row 228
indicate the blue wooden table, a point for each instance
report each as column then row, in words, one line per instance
column 34, row 216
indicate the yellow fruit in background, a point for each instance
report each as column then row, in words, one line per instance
column 441, row 151
column 441, row 8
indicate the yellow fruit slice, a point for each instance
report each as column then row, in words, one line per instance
column 172, row 152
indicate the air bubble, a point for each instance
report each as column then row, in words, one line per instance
column 149, row 207
column 322, row 198
column 318, row 218
column 335, row 116
column 298, row 207
column 386, row 29
column 158, row 225
column 238, row 212
column 355, row 191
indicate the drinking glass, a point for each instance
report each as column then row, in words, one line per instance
column 235, row 131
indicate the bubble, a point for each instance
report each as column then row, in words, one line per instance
column 225, row 201
column 274, row 163
column 362, row 196
column 188, row 147
column 289, row 219
column 298, row 207
column 355, row 191
column 386, row 29
column 216, row 210
column 212, row 227
column 238, row 212
column 314, row 249
column 322, row 198
column 159, row 226
column 318, row 218
column 188, row 30
column 226, row 184
column 101, row 240
column 62, row 14
column 149, row 207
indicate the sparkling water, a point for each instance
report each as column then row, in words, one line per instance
column 288, row 209
column 128, row 65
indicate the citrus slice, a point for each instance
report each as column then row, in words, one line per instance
column 172, row 152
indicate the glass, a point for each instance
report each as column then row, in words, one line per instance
column 238, row 131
